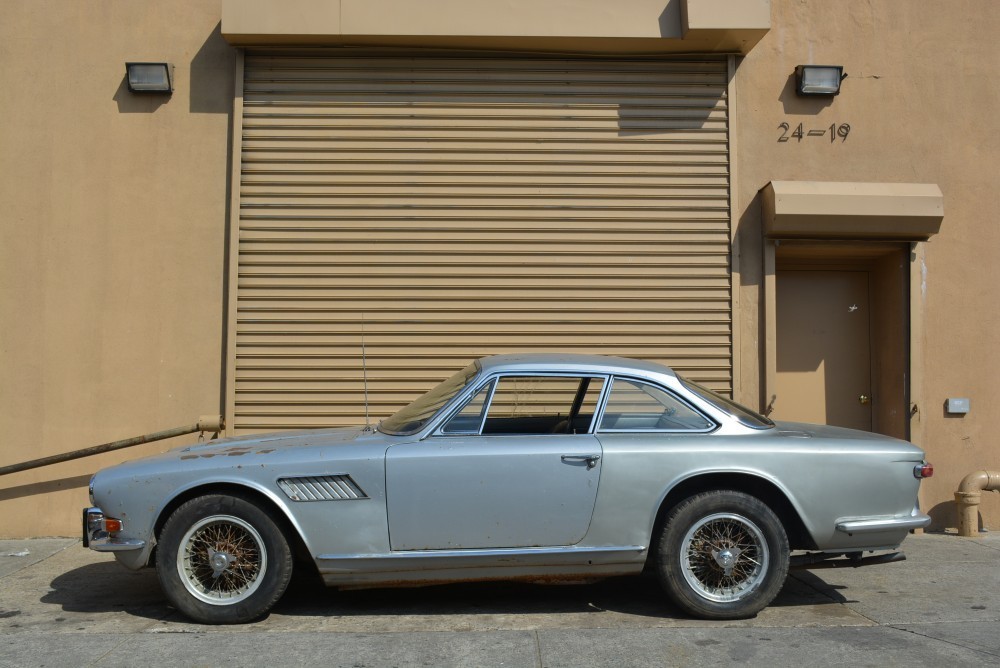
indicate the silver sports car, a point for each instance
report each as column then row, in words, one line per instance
column 519, row 466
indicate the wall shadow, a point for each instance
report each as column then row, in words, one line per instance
column 138, row 103
column 794, row 103
column 634, row 121
column 46, row 487
column 945, row 515
column 749, row 245
column 670, row 20
column 211, row 75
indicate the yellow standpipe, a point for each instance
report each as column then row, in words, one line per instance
column 967, row 499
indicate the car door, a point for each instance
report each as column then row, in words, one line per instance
column 517, row 466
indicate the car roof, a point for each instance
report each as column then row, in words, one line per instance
column 573, row 363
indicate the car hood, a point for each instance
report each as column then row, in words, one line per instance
column 286, row 446
column 277, row 441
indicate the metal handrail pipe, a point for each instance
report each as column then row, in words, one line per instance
column 212, row 423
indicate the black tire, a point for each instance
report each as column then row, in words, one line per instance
column 722, row 555
column 223, row 560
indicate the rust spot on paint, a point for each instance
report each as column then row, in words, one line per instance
column 189, row 457
column 264, row 452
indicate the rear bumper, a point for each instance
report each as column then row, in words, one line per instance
column 98, row 538
column 863, row 525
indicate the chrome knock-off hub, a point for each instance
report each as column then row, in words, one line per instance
column 219, row 561
column 727, row 558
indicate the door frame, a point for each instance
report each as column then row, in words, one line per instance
column 827, row 254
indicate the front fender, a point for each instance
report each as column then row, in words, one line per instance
column 143, row 504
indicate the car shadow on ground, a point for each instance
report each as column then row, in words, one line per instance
column 638, row 595
column 108, row 588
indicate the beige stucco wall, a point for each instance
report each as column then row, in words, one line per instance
column 112, row 239
column 111, row 307
column 919, row 102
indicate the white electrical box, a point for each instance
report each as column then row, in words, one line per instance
column 958, row 406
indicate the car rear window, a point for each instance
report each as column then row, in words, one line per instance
column 742, row 414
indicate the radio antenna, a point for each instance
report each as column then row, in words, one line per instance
column 364, row 368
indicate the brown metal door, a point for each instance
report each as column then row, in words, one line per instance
column 824, row 348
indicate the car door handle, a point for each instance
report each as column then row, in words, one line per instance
column 590, row 459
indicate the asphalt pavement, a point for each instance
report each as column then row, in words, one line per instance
column 63, row 605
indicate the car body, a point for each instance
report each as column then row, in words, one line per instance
column 535, row 466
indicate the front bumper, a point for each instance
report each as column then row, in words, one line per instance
column 97, row 537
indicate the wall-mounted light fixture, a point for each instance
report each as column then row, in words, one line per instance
column 818, row 79
column 150, row 77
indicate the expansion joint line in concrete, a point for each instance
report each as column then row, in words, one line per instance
column 947, row 642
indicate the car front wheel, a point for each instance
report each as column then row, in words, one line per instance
column 223, row 560
column 722, row 555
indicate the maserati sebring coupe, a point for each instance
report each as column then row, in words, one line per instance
column 534, row 467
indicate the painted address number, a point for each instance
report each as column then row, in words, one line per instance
column 798, row 133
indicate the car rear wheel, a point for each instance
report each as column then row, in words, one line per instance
column 223, row 560
column 722, row 555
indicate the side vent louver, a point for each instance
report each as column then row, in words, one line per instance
column 321, row 488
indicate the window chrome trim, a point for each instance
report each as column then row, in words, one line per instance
column 601, row 400
column 437, row 428
column 439, row 431
column 708, row 430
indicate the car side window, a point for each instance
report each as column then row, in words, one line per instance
column 543, row 405
column 470, row 417
column 530, row 405
column 636, row 406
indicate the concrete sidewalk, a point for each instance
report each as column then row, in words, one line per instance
column 62, row 605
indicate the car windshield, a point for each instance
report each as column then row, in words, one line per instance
column 413, row 417
column 742, row 414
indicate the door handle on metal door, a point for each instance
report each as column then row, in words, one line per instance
column 590, row 459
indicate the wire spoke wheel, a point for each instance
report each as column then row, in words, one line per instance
column 722, row 554
column 221, row 560
column 724, row 557
column 224, row 559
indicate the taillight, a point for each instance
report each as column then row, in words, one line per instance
column 923, row 470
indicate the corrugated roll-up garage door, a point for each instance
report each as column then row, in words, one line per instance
column 441, row 207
